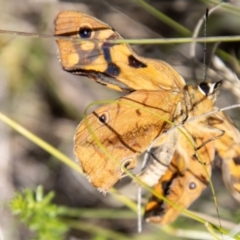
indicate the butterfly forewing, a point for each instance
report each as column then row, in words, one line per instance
column 114, row 65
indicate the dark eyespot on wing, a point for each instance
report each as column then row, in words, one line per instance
column 85, row 32
column 133, row 62
column 192, row 185
column 102, row 118
column 113, row 70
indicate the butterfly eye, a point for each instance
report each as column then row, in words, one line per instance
column 192, row 185
column 85, row 32
column 204, row 88
column 209, row 88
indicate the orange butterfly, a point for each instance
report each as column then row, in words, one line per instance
column 126, row 128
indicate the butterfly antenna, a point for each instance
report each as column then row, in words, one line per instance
column 205, row 46
column 192, row 51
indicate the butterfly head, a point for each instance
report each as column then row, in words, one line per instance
column 210, row 90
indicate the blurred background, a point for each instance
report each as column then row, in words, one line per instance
column 40, row 96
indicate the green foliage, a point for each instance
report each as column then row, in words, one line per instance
column 39, row 214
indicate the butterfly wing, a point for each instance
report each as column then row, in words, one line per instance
column 114, row 65
column 123, row 129
column 181, row 188
column 228, row 148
